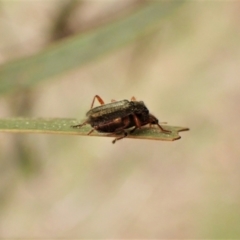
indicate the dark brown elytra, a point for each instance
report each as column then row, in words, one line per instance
column 117, row 116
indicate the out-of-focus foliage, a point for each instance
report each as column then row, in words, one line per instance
column 80, row 49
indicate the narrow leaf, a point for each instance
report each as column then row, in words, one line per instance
column 63, row 126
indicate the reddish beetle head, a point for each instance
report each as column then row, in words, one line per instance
column 152, row 119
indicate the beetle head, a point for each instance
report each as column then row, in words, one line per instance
column 153, row 119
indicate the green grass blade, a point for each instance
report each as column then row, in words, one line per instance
column 63, row 126
column 80, row 49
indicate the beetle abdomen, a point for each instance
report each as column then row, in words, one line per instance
column 118, row 124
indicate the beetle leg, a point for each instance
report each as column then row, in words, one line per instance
column 154, row 120
column 91, row 131
column 136, row 121
column 163, row 130
column 79, row 125
column 99, row 100
column 118, row 138
column 126, row 122
column 133, row 99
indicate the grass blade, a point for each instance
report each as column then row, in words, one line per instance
column 80, row 49
column 63, row 126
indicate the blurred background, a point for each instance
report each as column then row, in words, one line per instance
column 186, row 70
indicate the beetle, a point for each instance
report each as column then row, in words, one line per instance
column 118, row 116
